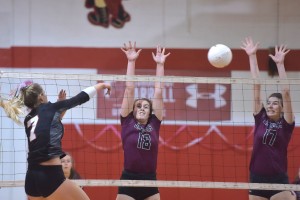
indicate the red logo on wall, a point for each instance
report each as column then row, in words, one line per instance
column 182, row 101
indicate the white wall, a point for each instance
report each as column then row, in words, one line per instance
column 172, row 23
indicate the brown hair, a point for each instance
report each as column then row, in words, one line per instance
column 73, row 173
column 29, row 95
column 144, row 99
column 278, row 96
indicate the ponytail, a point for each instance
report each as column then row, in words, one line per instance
column 14, row 107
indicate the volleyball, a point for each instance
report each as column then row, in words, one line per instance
column 219, row 55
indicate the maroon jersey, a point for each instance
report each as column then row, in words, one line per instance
column 271, row 139
column 140, row 144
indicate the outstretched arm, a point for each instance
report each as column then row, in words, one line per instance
column 278, row 58
column 128, row 98
column 92, row 90
column 251, row 48
column 103, row 86
column 81, row 98
column 160, row 59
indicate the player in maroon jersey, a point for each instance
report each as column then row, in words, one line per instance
column 274, row 125
column 140, row 121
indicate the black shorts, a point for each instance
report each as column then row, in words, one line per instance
column 43, row 180
column 277, row 179
column 138, row 193
column 297, row 195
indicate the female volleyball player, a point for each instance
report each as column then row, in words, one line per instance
column 68, row 167
column 140, row 122
column 45, row 177
column 274, row 124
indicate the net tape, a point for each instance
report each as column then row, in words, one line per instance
column 137, row 78
column 178, row 184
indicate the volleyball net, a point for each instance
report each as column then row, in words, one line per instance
column 205, row 137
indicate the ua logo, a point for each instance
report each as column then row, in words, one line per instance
column 192, row 100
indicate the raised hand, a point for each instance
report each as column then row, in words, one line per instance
column 249, row 46
column 103, row 86
column 108, row 87
column 130, row 51
column 62, row 95
column 280, row 53
column 160, row 56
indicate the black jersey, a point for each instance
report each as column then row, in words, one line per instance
column 44, row 129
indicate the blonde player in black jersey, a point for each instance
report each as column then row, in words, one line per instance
column 45, row 178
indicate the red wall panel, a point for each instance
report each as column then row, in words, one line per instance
column 215, row 158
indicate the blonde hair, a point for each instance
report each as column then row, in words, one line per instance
column 13, row 108
column 26, row 94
